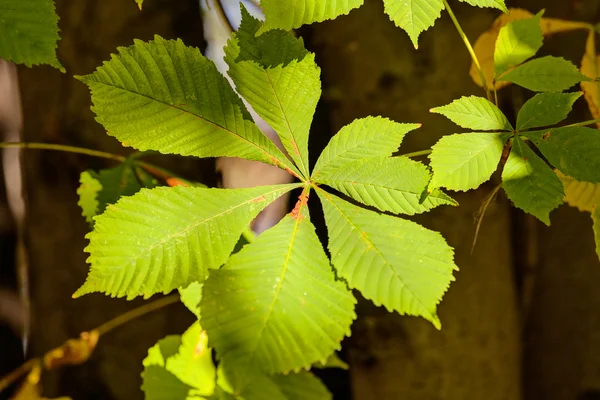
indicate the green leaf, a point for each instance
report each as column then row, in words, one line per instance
column 392, row 261
column 546, row 74
column 88, row 195
column 582, row 195
column 414, row 16
column 294, row 386
column 499, row 4
column 190, row 297
column 572, row 150
column 284, row 95
column 179, row 367
column 464, row 161
column 530, row 183
column 390, row 184
column 546, row 109
column 291, row 14
column 29, row 32
column 596, row 219
column 162, row 95
column 161, row 239
column 475, row 113
column 139, row 3
column 519, row 40
column 276, row 305
column 363, row 138
column 334, row 361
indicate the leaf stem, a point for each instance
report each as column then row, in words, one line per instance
column 583, row 123
column 61, row 147
column 416, row 153
column 122, row 319
column 465, row 40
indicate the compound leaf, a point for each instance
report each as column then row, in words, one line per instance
column 517, row 41
column 162, row 95
column 390, row 184
column 530, row 183
column 291, row 14
column 499, row 4
column 276, row 304
column 414, row 16
column 391, row 261
column 362, row 138
column 179, row 367
column 164, row 238
column 546, row 109
column 582, row 195
column 464, row 161
column 572, row 150
column 283, row 88
column 546, row 74
column 29, row 32
column 475, row 113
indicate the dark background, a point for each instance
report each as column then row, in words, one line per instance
column 522, row 321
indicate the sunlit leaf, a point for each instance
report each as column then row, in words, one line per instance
column 414, row 16
column 190, row 297
column 399, row 189
column 583, row 195
column 464, row 161
column 475, row 113
column 545, row 109
column 530, row 183
column 161, row 239
column 499, row 4
column 546, row 74
column 89, row 186
column 391, row 261
column 590, row 66
column 363, row 138
column 517, row 41
column 29, row 32
column 276, row 305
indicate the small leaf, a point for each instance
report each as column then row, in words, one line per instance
column 276, row 305
column 590, row 66
column 485, row 44
column 475, row 113
column 291, row 14
column 162, row 95
column 363, row 138
column 399, row 189
column 391, row 261
column 572, row 150
column 282, row 90
column 88, row 195
column 414, row 16
column 139, row 3
column 179, row 367
column 530, row 183
column 583, row 195
column 161, row 239
column 546, row 109
column 596, row 226
column 464, row 161
column 517, row 41
column 546, row 74
column 499, row 4
column 334, row 361
column 190, row 297
column 29, row 32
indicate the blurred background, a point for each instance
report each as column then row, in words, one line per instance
column 522, row 321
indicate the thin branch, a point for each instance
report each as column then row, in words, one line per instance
column 416, row 153
column 481, row 213
column 467, row 43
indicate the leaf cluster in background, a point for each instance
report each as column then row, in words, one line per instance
column 276, row 305
column 415, row 16
column 464, row 161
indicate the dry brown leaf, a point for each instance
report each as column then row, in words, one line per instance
column 73, row 351
column 590, row 66
column 582, row 195
column 486, row 42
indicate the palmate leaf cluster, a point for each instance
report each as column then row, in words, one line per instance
column 277, row 305
column 414, row 16
column 466, row 160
